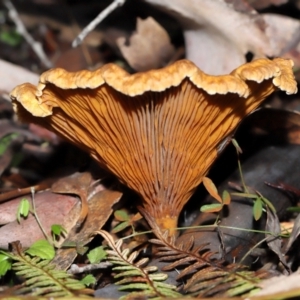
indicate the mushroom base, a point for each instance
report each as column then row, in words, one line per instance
column 162, row 224
column 168, row 223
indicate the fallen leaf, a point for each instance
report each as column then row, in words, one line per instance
column 77, row 184
column 74, row 59
column 294, row 235
column 211, row 188
column 274, row 240
column 149, row 47
column 283, row 33
column 257, row 209
column 273, row 163
column 51, row 209
column 100, row 209
column 294, row 54
column 280, row 287
column 218, row 37
column 12, row 74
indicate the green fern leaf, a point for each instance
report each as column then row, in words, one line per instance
column 158, row 277
column 150, row 269
column 131, row 273
column 40, row 278
column 134, row 275
column 136, row 286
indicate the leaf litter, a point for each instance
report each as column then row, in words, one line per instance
column 258, row 34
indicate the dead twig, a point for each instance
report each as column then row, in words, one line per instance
column 96, row 21
column 36, row 46
column 74, row 269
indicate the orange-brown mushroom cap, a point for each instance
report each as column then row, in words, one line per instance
column 157, row 131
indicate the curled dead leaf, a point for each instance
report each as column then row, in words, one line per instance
column 149, row 48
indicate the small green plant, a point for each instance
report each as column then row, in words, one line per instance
column 25, row 208
column 96, row 255
column 294, row 209
column 10, row 37
column 41, row 248
column 88, row 280
column 5, row 143
column 6, row 140
column 125, row 220
column 5, row 263
column 33, row 265
column 57, row 231
column 213, row 191
column 259, row 202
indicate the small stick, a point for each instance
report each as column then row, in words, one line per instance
column 21, row 192
column 37, row 217
column 36, row 46
column 96, row 21
column 87, row 268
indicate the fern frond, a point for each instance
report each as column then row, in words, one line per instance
column 42, row 279
column 203, row 275
column 134, row 274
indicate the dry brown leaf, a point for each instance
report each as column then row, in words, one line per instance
column 294, row 230
column 149, row 47
column 279, row 287
column 294, row 54
column 100, row 209
column 11, row 74
column 274, row 239
column 217, row 37
column 50, row 208
column 282, row 32
column 77, row 184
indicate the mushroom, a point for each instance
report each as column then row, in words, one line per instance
column 157, row 131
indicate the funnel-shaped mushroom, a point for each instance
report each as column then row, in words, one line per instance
column 157, row 131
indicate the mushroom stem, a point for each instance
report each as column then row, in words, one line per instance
column 168, row 223
column 162, row 224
